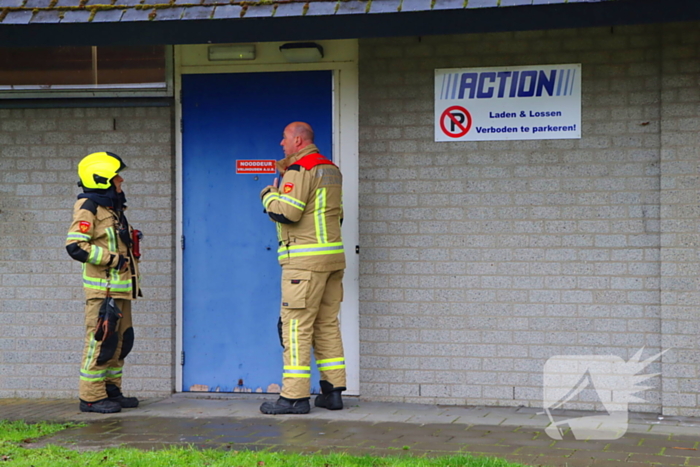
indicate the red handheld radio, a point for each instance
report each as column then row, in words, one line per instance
column 136, row 237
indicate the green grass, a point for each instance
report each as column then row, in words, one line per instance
column 13, row 454
column 15, row 432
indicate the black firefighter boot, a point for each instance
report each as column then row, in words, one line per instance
column 101, row 406
column 330, row 397
column 286, row 406
column 115, row 395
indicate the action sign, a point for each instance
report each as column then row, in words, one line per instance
column 508, row 103
column 255, row 166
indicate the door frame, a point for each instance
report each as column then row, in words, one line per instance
column 340, row 57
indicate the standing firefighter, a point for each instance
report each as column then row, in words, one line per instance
column 100, row 237
column 307, row 209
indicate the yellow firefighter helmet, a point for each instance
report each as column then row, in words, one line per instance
column 98, row 169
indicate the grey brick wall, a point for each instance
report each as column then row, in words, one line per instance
column 680, row 213
column 479, row 260
column 41, row 296
column 482, row 260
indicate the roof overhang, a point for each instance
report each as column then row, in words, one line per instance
column 544, row 14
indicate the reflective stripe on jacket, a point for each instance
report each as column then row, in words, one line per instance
column 307, row 208
column 95, row 234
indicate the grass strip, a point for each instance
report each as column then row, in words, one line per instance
column 13, row 454
column 19, row 431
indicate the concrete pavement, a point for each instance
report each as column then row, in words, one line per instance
column 234, row 422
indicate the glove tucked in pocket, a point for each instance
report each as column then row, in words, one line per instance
column 279, row 331
column 107, row 319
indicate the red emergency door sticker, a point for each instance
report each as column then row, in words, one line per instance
column 255, row 166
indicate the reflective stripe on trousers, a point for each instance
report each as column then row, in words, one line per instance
column 330, row 364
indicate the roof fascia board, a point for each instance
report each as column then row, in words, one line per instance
column 553, row 16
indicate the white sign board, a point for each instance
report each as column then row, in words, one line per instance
column 508, row 103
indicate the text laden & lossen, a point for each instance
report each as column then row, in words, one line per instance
column 529, row 113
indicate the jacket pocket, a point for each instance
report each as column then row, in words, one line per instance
column 295, row 287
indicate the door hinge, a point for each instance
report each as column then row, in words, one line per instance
column 182, row 126
column 182, row 358
column 357, row 249
column 182, row 242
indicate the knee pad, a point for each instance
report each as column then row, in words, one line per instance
column 127, row 343
column 107, row 349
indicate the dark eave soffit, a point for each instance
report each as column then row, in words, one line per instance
column 383, row 21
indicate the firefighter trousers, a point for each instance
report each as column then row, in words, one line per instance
column 309, row 315
column 103, row 361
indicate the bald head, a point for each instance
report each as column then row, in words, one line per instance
column 302, row 130
column 297, row 135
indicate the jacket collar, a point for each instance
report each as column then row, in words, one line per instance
column 292, row 158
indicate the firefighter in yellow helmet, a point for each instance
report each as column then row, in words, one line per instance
column 307, row 209
column 100, row 237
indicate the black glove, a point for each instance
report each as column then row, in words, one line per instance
column 121, row 260
column 107, row 319
column 279, row 331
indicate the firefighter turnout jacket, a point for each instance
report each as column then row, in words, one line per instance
column 94, row 240
column 308, row 212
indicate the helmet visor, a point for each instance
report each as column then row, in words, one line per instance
column 122, row 165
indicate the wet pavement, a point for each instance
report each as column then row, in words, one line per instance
column 234, row 423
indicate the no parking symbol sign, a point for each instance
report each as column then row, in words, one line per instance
column 455, row 121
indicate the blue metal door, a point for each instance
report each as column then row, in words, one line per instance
column 231, row 293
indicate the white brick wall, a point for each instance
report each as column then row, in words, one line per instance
column 41, row 297
column 482, row 260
